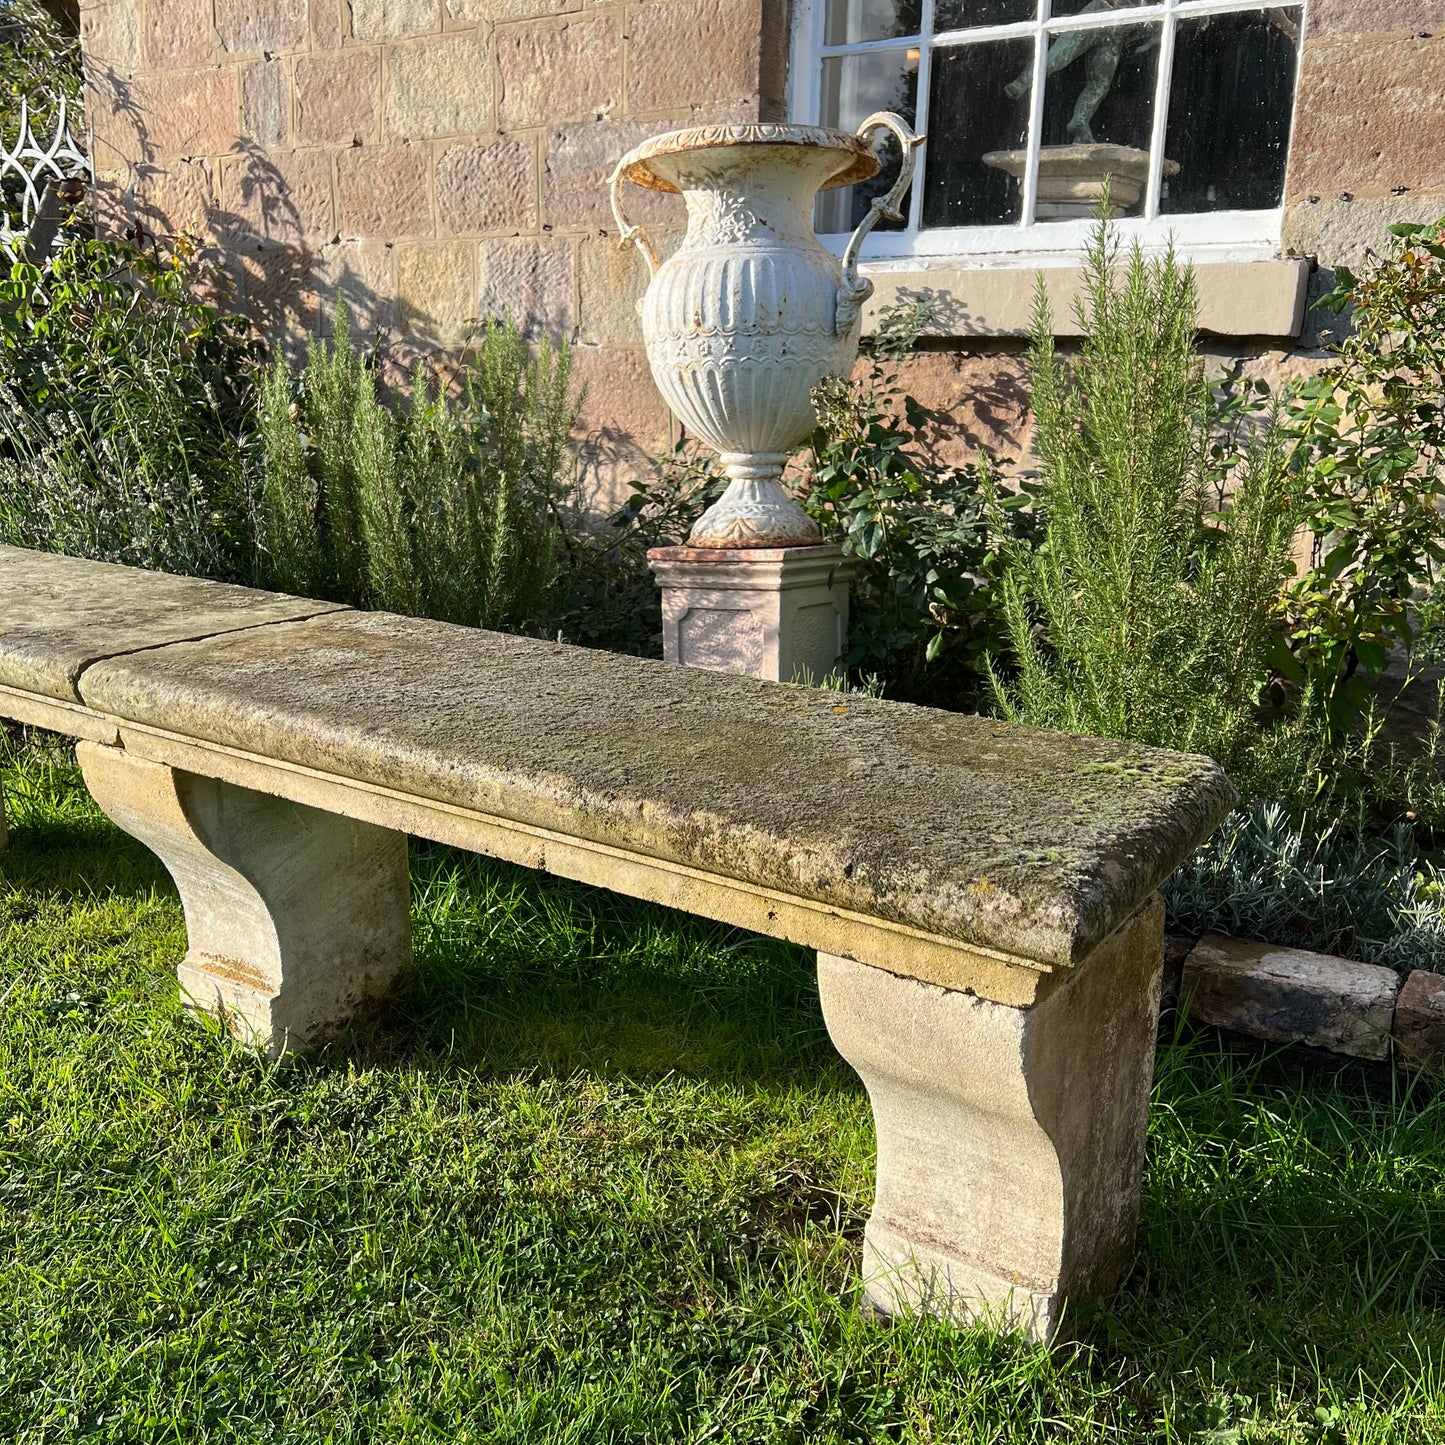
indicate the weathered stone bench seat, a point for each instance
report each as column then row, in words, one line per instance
column 981, row 895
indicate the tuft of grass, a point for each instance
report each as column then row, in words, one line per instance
column 600, row 1177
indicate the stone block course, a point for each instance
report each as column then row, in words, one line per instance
column 579, row 163
column 624, row 425
column 330, row 23
column 177, row 33
column 392, row 19
column 383, row 192
column 361, row 275
column 1336, row 232
column 1366, row 17
column 284, row 197
column 436, row 289
column 110, row 37
column 1370, row 116
column 276, row 286
column 559, row 72
column 683, row 52
column 180, row 198
column 266, row 103
column 254, row 27
column 1290, row 995
column 185, row 113
column 338, row 97
column 470, row 12
column 484, row 187
column 531, row 281
column 439, row 87
column 611, row 281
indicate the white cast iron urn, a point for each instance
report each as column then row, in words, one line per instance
column 751, row 312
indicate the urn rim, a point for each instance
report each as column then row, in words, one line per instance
column 856, row 160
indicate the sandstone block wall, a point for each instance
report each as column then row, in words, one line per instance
column 434, row 161
column 431, row 161
column 1368, row 147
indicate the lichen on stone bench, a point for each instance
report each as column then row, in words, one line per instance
column 981, row 895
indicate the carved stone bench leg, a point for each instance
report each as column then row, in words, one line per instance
column 296, row 919
column 1010, row 1140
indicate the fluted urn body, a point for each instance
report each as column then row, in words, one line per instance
column 751, row 312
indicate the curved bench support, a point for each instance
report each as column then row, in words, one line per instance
column 1010, row 1140
column 297, row 920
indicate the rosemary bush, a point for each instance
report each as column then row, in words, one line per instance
column 435, row 506
column 125, row 396
column 1144, row 609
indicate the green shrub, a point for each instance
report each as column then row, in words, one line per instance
column 125, row 395
column 1370, row 437
column 921, row 614
column 39, row 65
column 610, row 598
column 1285, row 879
column 1143, row 610
column 432, row 506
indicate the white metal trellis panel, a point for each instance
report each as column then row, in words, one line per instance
column 30, row 160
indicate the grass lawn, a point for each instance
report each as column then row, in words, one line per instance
column 600, row 1177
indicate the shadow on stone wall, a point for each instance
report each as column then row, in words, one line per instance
column 264, row 220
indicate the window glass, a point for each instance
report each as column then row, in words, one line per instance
column 977, row 108
column 1230, row 101
column 854, row 86
column 1197, row 96
column 1099, row 92
column 849, row 22
column 965, row 14
column 1089, row 7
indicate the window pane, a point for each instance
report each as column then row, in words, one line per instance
column 1098, row 111
column 850, row 21
column 1080, row 7
column 971, row 114
column 1230, row 99
column 854, row 86
column 964, row 14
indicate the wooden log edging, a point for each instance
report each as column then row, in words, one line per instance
column 1295, row 996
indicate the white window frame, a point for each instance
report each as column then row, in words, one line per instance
column 1222, row 236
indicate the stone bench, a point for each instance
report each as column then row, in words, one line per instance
column 981, row 896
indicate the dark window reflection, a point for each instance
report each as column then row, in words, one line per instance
column 970, row 115
column 850, row 21
column 854, row 86
column 1230, row 100
column 965, row 14
column 1100, row 89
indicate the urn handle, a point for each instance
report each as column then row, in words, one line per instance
column 855, row 289
column 628, row 233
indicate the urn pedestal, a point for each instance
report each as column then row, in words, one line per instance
column 1072, row 178
column 779, row 613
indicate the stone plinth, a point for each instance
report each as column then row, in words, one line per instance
column 779, row 613
column 1010, row 1140
column 297, row 920
column 1071, row 178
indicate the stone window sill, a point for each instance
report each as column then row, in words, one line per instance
column 1236, row 298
